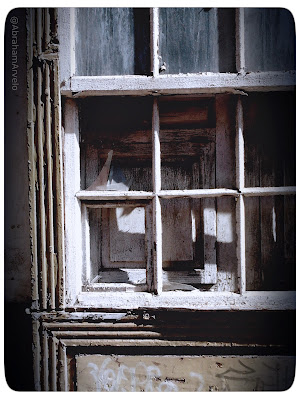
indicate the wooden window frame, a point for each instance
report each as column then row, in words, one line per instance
column 73, row 87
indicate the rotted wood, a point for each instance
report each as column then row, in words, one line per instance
column 45, row 166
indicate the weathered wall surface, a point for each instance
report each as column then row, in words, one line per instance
column 18, row 337
column 17, row 244
column 180, row 374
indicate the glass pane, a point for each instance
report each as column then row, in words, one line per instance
column 197, row 39
column 188, row 138
column 270, row 242
column 119, row 129
column 199, row 244
column 269, row 39
column 117, row 244
column 270, row 139
column 112, row 41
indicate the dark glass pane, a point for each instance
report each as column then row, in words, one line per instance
column 197, row 39
column 269, row 39
column 112, row 41
column 188, row 142
column 270, row 139
column 270, row 242
column 121, row 125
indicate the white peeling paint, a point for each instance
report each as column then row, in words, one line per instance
column 274, row 224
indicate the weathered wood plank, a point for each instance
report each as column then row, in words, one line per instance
column 195, row 300
column 181, row 84
column 177, row 243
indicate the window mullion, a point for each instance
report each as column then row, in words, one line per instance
column 240, row 210
column 157, row 224
column 240, row 40
column 154, row 40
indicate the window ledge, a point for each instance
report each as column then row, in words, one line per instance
column 207, row 82
column 195, row 300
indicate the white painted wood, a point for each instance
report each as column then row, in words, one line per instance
column 240, row 207
column 239, row 147
column 32, row 165
column 156, row 155
column 40, row 111
column 241, row 240
column 62, row 367
column 50, row 211
column 154, row 40
column 45, row 352
column 195, row 300
column 207, row 82
column 113, row 195
column 269, row 191
column 86, row 247
column 73, row 243
column 197, row 193
column 157, row 251
column 54, row 356
column 66, row 37
column 240, row 40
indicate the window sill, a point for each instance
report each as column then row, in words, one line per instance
column 206, row 301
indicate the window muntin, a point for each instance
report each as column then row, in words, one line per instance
column 238, row 194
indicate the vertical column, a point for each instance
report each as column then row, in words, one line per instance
column 240, row 40
column 32, row 167
column 62, row 372
column 49, row 160
column 157, row 225
column 240, row 210
column 40, row 162
column 154, row 29
column 66, row 26
column 72, row 206
column 36, row 346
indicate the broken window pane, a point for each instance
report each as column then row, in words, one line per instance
column 116, row 237
column 116, row 130
column 199, row 244
column 188, row 142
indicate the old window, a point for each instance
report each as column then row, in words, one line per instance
column 178, row 157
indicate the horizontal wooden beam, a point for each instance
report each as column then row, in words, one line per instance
column 193, row 193
column 208, row 82
column 197, row 193
column 113, row 195
column 269, row 191
column 195, row 300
